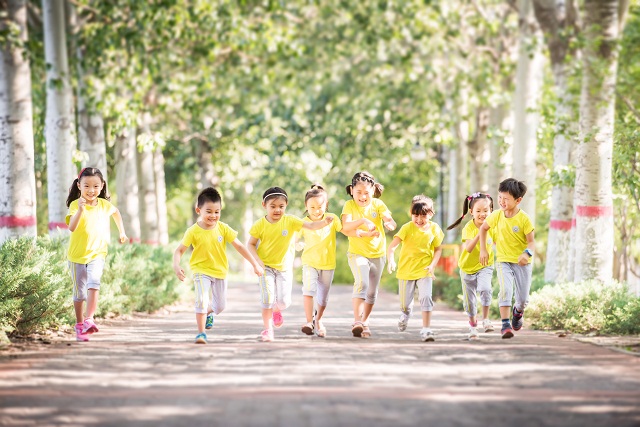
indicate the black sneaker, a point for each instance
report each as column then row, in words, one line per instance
column 518, row 320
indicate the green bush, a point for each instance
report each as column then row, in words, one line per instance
column 584, row 307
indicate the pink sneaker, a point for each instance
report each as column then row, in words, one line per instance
column 277, row 319
column 80, row 335
column 89, row 326
column 267, row 335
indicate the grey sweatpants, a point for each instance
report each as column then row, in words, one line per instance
column 316, row 283
column 275, row 288
column 514, row 279
column 366, row 276
column 478, row 283
column 85, row 276
column 211, row 293
column 407, row 290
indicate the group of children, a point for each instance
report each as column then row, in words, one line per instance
column 273, row 240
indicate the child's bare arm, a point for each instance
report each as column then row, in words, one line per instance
column 316, row 225
column 470, row 244
column 484, row 254
column 120, row 224
column 253, row 250
column 349, row 224
column 242, row 250
column 391, row 261
column 524, row 257
column 177, row 255
column 437, row 252
column 389, row 223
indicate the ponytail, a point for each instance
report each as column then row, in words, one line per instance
column 74, row 192
column 465, row 209
column 469, row 201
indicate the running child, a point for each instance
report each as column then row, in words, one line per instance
column 476, row 278
column 272, row 243
column 421, row 239
column 366, row 254
column 515, row 244
column 88, row 221
column 209, row 237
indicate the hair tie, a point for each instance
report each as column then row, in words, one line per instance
column 275, row 194
column 80, row 174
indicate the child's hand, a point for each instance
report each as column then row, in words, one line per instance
column 391, row 265
column 328, row 220
column 81, row 203
column 523, row 259
column 430, row 271
column 258, row 270
column 484, row 256
column 123, row 238
column 369, row 224
column 179, row 272
column 390, row 225
column 299, row 245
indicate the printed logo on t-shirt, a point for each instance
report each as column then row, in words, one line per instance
column 515, row 228
column 374, row 214
column 285, row 232
column 219, row 238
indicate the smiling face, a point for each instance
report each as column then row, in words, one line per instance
column 480, row 211
column 275, row 207
column 209, row 214
column 316, row 206
column 507, row 202
column 90, row 188
column 362, row 193
column 421, row 220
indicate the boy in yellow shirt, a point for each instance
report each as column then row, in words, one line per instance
column 515, row 245
column 421, row 239
column 209, row 237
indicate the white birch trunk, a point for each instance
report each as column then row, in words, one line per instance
column 148, row 202
column 127, row 182
column 593, row 193
column 206, row 175
column 59, row 115
column 500, row 118
column 479, row 153
column 161, row 196
column 458, row 183
column 17, row 176
column 529, row 74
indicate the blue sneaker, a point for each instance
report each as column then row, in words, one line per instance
column 201, row 338
column 517, row 320
column 209, row 323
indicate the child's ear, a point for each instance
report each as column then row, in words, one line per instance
column 197, row 210
column 518, row 200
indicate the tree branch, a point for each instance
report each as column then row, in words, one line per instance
column 629, row 104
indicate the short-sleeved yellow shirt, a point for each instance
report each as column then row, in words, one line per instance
column 320, row 245
column 510, row 234
column 469, row 262
column 209, row 254
column 90, row 239
column 276, row 247
column 370, row 247
column 418, row 247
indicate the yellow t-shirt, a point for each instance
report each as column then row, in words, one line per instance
column 469, row 262
column 209, row 254
column 370, row 247
column 417, row 250
column 320, row 245
column 91, row 238
column 276, row 247
column 510, row 234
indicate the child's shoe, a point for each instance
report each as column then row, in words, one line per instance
column 507, row 332
column 209, row 323
column 267, row 335
column 473, row 333
column 488, row 327
column 356, row 329
column 366, row 332
column 427, row 335
column 201, row 338
column 80, row 335
column 518, row 319
column 277, row 319
column 89, row 326
column 307, row 328
column 403, row 322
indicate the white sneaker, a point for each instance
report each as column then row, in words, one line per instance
column 427, row 334
column 486, row 324
column 473, row 333
column 403, row 322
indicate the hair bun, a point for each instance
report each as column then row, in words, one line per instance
column 317, row 187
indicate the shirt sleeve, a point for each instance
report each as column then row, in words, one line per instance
column 296, row 223
column 337, row 224
column 109, row 208
column 402, row 233
column 346, row 209
column 527, row 226
column 187, row 239
column 465, row 233
column 229, row 234
column 73, row 209
column 383, row 210
column 492, row 219
column 256, row 229
column 439, row 236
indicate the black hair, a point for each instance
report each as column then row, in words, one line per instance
column 514, row 187
column 74, row 190
column 274, row 192
column 317, row 190
column 422, row 205
column 365, row 176
column 209, row 194
column 467, row 206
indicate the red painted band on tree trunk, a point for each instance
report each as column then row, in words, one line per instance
column 54, row 225
column 151, row 242
column 594, row 211
column 134, row 240
column 558, row 224
column 17, row 221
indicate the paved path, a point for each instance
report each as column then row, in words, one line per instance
column 147, row 372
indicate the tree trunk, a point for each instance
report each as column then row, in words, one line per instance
column 161, row 196
column 127, row 182
column 593, row 193
column 529, row 74
column 458, row 183
column 17, row 176
column 206, row 175
column 59, row 115
column 148, row 200
column 500, row 159
column 479, row 152
column 558, row 20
